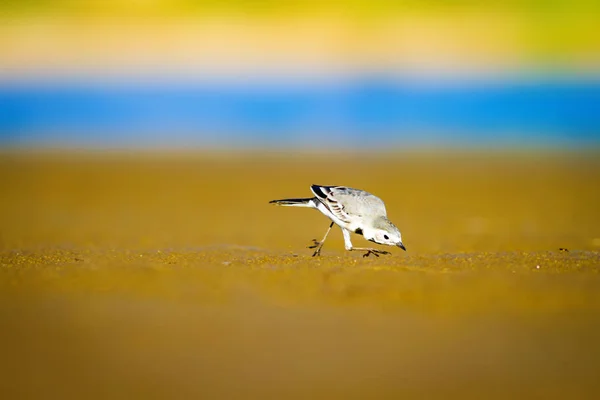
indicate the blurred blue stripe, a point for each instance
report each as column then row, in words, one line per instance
column 369, row 110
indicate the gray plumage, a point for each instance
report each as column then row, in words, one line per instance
column 354, row 210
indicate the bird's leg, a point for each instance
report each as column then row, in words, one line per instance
column 319, row 245
column 369, row 251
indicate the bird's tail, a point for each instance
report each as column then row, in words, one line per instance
column 307, row 202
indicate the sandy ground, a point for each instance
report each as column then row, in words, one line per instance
column 170, row 276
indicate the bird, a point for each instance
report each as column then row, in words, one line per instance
column 353, row 210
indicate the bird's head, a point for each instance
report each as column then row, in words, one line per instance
column 384, row 232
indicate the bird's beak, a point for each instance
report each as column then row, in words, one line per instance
column 401, row 246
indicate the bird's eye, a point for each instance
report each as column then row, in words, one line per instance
column 386, row 237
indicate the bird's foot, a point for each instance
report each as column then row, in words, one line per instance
column 316, row 245
column 375, row 252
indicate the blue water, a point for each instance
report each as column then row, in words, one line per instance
column 367, row 112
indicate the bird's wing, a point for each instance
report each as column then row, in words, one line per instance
column 347, row 204
column 326, row 195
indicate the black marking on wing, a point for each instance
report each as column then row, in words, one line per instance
column 325, row 196
column 335, row 207
column 318, row 190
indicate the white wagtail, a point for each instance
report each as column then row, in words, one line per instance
column 353, row 210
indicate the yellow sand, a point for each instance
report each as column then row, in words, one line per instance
column 170, row 276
